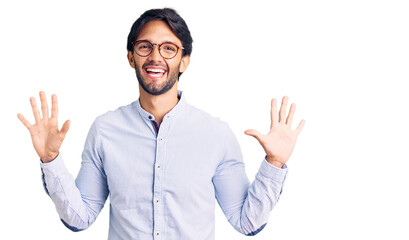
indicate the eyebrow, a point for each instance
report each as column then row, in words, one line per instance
column 156, row 43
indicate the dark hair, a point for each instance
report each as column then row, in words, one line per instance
column 169, row 16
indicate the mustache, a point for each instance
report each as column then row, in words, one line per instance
column 153, row 64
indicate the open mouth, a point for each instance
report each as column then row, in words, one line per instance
column 155, row 72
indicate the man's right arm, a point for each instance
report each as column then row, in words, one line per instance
column 77, row 202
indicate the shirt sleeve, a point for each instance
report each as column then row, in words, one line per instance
column 78, row 202
column 246, row 206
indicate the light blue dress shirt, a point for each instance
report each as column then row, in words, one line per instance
column 162, row 185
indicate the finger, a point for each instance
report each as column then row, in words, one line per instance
column 300, row 126
column 290, row 116
column 283, row 109
column 65, row 127
column 273, row 112
column 54, row 106
column 254, row 133
column 24, row 121
column 44, row 105
column 36, row 113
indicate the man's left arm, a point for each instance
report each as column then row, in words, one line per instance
column 246, row 206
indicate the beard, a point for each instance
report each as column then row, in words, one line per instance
column 153, row 88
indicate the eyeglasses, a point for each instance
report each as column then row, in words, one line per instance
column 167, row 50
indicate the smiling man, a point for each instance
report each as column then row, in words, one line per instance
column 155, row 76
column 162, row 162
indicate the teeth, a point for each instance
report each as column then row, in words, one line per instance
column 155, row 70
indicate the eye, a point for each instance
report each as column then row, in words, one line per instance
column 169, row 47
column 144, row 46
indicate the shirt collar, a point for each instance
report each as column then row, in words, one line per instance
column 173, row 112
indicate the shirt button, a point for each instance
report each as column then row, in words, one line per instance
column 150, row 117
column 161, row 139
column 157, row 233
column 158, row 166
column 157, row 200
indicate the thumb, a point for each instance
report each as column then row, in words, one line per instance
column 65, row 127
column 254, row 133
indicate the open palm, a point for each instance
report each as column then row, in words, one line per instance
column 46, row 137
column 279, row 142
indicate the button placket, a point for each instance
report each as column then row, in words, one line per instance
column 158, row 181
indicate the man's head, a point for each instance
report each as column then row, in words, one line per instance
column 158, row 69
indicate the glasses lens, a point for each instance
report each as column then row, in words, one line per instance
column 168, row 50
column 143, row 48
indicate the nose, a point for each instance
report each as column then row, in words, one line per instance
column 155, row 55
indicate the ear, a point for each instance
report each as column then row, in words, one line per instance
column 184, row 63
column 130, row 59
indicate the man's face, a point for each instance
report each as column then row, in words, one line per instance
column 155, row 74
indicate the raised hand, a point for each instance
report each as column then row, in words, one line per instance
column 279, row 142
column 46, row 137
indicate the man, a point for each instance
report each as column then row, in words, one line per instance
column 162, row 161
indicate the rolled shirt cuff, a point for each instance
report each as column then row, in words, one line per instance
column 54, row 168
column 270, row 171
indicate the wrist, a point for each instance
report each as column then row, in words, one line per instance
column 273, row 161
column 47, row 159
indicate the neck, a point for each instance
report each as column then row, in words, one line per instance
column 158, row 105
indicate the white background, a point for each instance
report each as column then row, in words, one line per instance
column 345, row 64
